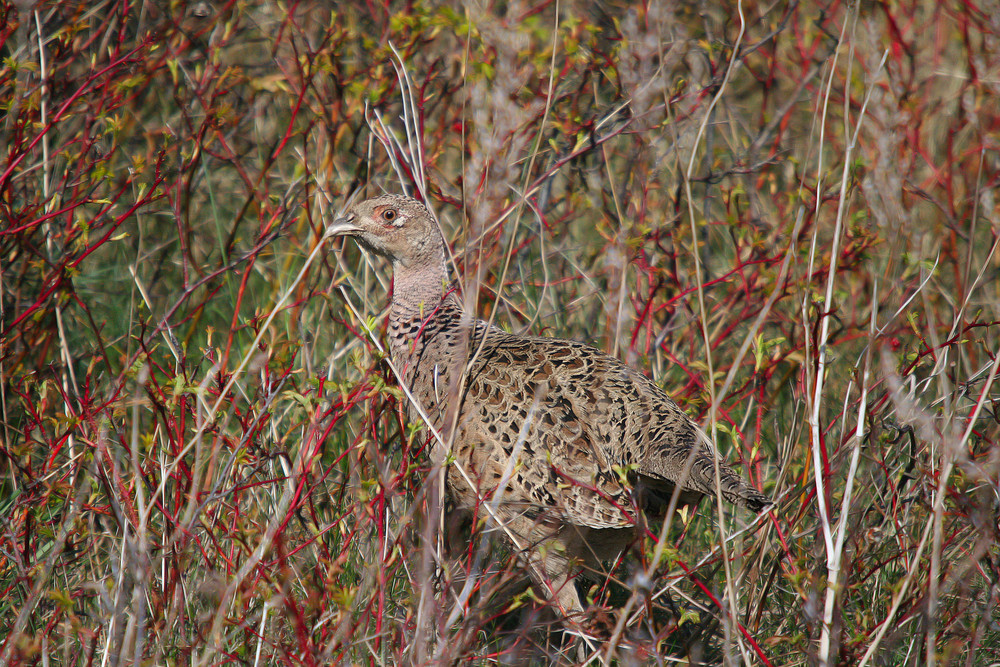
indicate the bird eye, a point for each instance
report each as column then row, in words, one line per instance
column 389, row 215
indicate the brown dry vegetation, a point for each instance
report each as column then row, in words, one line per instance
column 786, row 212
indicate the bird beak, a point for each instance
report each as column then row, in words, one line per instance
column 342, row 226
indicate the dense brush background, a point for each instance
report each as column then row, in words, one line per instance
column 786, row 212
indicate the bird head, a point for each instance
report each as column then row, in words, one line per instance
column 394, row 226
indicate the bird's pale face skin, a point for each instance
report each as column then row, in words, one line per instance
column 393, row 226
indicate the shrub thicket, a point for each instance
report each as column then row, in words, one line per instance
column 785, row 212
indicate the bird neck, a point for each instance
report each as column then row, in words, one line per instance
column 418, row 288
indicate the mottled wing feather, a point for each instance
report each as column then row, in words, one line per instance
column 520, row 406
column 590, row 413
